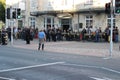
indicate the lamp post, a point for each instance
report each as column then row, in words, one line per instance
column 11, row 25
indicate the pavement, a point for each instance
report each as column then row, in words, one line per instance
column 98, row 49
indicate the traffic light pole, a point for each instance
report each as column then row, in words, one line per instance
column 111, row 30
column 11, row 25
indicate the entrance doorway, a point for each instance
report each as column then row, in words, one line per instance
column 65, row 27
column 66, row 24
column 20, row 23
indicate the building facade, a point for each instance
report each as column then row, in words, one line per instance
column 71, row 14
column 66, row 14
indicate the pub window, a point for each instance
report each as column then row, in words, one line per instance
column 89, row 21
column 32, row 22
column 109, row 21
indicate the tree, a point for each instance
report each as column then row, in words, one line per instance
column 2, row 10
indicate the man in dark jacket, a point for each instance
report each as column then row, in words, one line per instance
column 27, row 35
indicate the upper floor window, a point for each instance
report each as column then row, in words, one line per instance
column 33, row 5
column 64, row 2
column 50, row 5
column 88, row 2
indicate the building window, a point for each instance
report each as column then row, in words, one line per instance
column 49, row 21
column 33, row 5
column 88, row 2
column 89, row 21
column 32, row 22
column 50, row 3
column 109, row 21
column 64, row 2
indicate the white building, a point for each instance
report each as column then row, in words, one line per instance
column 71, row 14
column 67, row 14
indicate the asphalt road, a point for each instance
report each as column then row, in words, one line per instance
column 26, row 64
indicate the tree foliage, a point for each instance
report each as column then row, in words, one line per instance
column 2, row 10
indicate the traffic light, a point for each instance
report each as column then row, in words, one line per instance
column 18, row 13
column 8, row 13
column 14, row 14
column 117, row 6
column 107, row 8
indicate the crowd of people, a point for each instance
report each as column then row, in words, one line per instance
column 53, row 34
column 99, row 35
column 17, row 33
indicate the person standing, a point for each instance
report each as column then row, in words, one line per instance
column 107, row 34
column 116, row 34
column 42, row 38
column 9, row 33
column 16, row 33
column 27, row 35
column 83, row 34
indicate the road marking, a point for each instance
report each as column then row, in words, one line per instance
column 100, row 78
column 111, row 70
column 28, row 67
column 109, row 57
column 6, row 78
column 87, row 66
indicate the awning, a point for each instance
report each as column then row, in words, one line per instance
column 55, row 13
column 94, row 10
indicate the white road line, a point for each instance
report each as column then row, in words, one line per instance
column 97, row 67
column 28, row 67
column 6, row 78
column 111, row 70
column 109, row 57
column 100, row 78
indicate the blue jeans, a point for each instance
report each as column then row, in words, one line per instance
column 116, row 38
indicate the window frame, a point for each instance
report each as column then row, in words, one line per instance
column 88, row 2
column 32, row 21
column 89, row 21
column 109, row 21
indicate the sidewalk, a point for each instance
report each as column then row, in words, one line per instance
column 73, row 47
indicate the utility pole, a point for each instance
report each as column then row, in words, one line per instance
column 11, row 25
column 111, row 30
